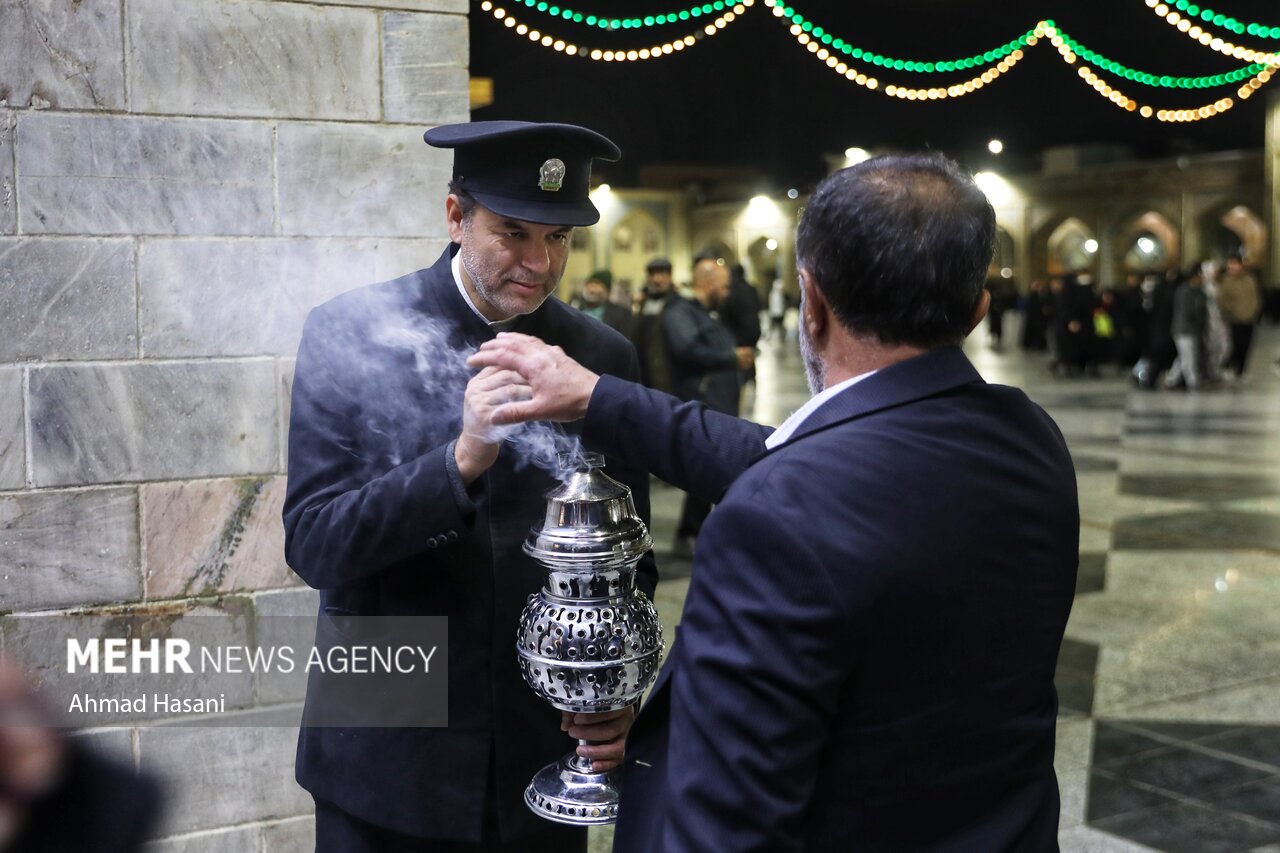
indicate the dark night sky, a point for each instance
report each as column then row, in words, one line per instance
column 752, row 97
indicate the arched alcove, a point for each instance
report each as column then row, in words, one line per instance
column 1148, row 242
column 1071, row 247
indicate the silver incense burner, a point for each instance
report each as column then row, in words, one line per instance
column 589, row 642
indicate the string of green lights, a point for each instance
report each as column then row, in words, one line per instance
column 1226, row 21
column 834, row 52
column 980, row 60
column 1164, row 81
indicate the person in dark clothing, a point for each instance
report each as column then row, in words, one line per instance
column 1159, row 350
column 1189, row 327
column 647, row 334
column 594, row 302
column 705, row 366
column 403, row 500
column 1036, row 313
column 740, row 312
column 1004, row 296
column 1131, row 322
column 1073, row 321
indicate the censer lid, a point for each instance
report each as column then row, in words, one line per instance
column 590, row 518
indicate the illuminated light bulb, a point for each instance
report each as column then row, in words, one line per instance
column 546, row 41
column 608, row 56
column 831, row 62
column 1162, row 9
column 689, row 41
column 823, row 53
column 803, row 38
column 728, row 18
column 534, row 35
column 486, row 5
column 720, row 24
column 709, row 29
column 1130, row 106
column 1173, row 18
column 522, row 29
column 891, row 90
column 510, row 22
column 632, row 55
column 644, row 54
column 666, row 49
column 841, row 68
column 1152, row 3
column 796, row 30
column 777, row 13
column 559, row 46
column 812, row 47
column 872, row 83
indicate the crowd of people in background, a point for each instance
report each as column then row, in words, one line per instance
column 1182, row 329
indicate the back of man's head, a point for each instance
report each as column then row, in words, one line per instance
column 900, row 248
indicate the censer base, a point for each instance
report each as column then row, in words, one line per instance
column 569, row 792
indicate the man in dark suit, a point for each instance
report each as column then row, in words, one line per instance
column 866, row 656
column 404, row 501
column 594, row 301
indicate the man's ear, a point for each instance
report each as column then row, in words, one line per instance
column 453, row 217
column 980, row 311
column 815, row 311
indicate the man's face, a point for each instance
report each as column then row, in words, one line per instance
column 712, row 278
column 594, row 293
column 513, row 265
column 659, row 281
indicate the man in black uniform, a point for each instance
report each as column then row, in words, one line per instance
column 404, row 501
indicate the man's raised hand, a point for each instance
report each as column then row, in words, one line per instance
column 561, row 388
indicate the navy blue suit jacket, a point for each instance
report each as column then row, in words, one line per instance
column 377, row 519
column 867, row 651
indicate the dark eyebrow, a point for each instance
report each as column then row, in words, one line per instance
column 511, row 225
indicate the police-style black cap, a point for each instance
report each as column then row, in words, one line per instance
column 658, row 265
column 527, row 170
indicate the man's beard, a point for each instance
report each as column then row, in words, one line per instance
column 487, row 280
column 814, row 370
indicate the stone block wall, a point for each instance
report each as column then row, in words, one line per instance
column 180, row 182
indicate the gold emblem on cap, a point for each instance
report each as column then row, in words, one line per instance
column 551, row 175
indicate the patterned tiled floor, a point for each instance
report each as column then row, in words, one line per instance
column 1169, row 678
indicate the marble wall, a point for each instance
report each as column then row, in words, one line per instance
column 180, row 182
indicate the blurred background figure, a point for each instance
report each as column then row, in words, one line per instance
column 1241, row 302
column 777, row 312
column 740, row 313
column 706, row 366
column 595, row 301
column 1217, row 334
column 1004, row 297
column 1131, row 322
column 57, row 796
column 647, row 333
column 1190, row 327
column 1036, row 313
